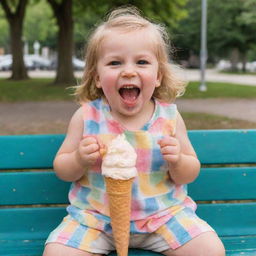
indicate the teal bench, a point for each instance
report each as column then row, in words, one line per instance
column 33, row 200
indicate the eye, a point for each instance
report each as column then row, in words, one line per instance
column 114, row 63
column 142, row 62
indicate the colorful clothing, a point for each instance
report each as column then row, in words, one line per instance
column 158, row 205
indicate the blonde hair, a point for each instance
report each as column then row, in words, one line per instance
column 130, row 19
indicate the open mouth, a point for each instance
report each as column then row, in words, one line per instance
column 129, row 93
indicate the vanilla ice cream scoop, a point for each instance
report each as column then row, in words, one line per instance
column 119, row 162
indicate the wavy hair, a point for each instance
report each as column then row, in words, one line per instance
column 128, row 19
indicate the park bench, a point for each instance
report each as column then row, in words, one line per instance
column 33, row 199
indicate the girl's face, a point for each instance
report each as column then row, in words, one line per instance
column 127, row 72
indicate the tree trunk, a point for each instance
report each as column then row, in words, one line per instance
column 234, row 59
column 244, row 61
column 15, row 20
column 63, row 14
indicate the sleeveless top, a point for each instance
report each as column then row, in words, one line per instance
column 155, row 198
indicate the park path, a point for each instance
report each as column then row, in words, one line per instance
column 35, row 117
column 54, row 116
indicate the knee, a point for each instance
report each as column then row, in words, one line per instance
column 215, row 248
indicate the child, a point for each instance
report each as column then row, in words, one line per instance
column 129, row 87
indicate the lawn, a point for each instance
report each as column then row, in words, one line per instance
column 41, row 89
column 202, row 121
column 220, row 90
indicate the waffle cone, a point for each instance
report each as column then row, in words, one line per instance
column 119, row 196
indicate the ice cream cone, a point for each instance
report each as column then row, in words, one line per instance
column 119, row 196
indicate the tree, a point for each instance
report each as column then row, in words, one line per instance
column 15, row 15
column 63, row 13
column 166, row 11
column 40, row 25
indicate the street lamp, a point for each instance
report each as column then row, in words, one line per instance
column 203, row 51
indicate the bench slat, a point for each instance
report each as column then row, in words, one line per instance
column 212, row 147
column 224, row 146
column 28, row 151
column 238, row 244
column 36, row 223
column 235, row 246
column 35, row 188
column 230, row 219
column 29, row 223
column 224, row 184
column 45, row 188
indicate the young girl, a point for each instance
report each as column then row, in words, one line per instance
column 129, row 88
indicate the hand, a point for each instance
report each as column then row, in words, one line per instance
column 88, row 151
column 170, row 149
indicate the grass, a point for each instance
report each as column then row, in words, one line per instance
column 220, row 90
column 42, row 89
column 202, row 121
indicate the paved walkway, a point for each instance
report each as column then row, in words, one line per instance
column 233, row 108
column 189, row 74
column 56, row 115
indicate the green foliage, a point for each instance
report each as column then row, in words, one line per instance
column 230, row 24
column 39, row 24
column 4, row 28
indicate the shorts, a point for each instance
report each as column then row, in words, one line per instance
column 176, row 232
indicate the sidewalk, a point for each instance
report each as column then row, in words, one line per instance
column 243, row 109
column 188, row 74
column 55, row 116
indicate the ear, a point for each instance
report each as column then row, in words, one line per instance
column 159, row 79
column 97, row 81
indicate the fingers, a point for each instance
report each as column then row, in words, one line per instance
column 89, row 150
column 170, row 149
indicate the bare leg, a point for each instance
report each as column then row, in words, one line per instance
column 55, row 249
column 206, row 244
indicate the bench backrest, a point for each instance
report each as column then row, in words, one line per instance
column 33, row 199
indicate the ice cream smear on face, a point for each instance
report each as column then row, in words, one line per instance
column 120, row 160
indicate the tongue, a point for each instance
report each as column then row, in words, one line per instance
column 129, row 94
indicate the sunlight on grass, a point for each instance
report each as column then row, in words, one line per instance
column 42, row 89
column 32, row 90
column 220, row 90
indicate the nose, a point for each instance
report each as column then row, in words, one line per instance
column 128, row 71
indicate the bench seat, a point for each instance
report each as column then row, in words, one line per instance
column 33, row 199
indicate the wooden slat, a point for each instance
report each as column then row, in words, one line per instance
column 20, row 226
column 29, row 223
column 240, row 245
column 230, row 219
column 224, row 184
column 22, row 247
column 18, row 188
column 46, row 188
column 212, row 146
column 35, row 248
column 28, row 151
column 224, row 146
column 35, row 223
column 235, row 246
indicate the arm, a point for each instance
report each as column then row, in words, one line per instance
column 180, row 155
column 76, row 154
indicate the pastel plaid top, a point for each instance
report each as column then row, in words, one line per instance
column 155, row 198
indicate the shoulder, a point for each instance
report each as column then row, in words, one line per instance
column 166, row 109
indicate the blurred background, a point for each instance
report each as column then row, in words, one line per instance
column 42, row 52
column 44, row 28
